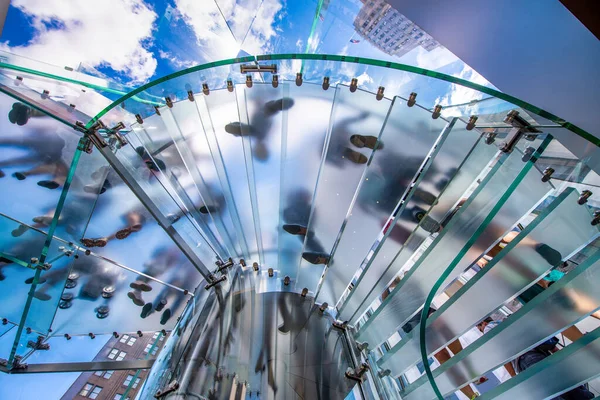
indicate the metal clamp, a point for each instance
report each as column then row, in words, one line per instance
column 520, row 128
column 223, row 266
column 342, row 326
column 216, row 282
column 171, row 387
column 358, row 373
column 585, row 195
column 115, row 132
column 38, row 344
column 272, row 68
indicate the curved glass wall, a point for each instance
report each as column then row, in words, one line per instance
column 297, row 230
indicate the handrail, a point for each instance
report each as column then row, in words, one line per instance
column 363, row 61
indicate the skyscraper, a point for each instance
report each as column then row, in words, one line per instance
column 389, row 31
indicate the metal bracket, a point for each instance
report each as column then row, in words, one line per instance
column 223, row 266
column 358, row 373
column 17, row 365
column 272, row 68
column 38, row 344
column 362, row 346
column 115, row 132
column 342, row 326
column 171, row 387
column 215, row 282
column 520, row 128
column 92, row 134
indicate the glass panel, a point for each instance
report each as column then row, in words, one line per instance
column 143, row 176
column 102, row 297
column 406, row 140
column 176, row 177
column 302, row 152
column 36, row 152
column 565, row 302
column 222, row 111
column 344, row 164
column 517, row 266
column 261, row 117
column 556, row 374
column 506, row 194
column 396, row 248
column 191, row 142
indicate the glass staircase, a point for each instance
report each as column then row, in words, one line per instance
column 297, row 235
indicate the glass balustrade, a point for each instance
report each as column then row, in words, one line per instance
column 287, row 231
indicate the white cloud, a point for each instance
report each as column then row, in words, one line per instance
column 177, row 63
column 100, row 33
column 221, row 29
column 459, row 94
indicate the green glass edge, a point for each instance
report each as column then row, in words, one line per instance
column 553, row 359
column 424, row 313
column 501, row 158
column 528, row 229
column 517, row 315
column 69, row 80
column 364, row 61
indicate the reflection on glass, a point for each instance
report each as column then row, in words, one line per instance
column 355, row 124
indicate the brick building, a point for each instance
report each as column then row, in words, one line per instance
column 112, row 385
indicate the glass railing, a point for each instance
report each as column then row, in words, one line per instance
column 379, row 205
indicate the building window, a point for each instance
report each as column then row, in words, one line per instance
column 129, row 340
column 148, row 347
column 136, row 383
column 117, row 355
column 86, row 389
column 104, row 374
column 128, row 380
column 95, row 392
column 117, row 396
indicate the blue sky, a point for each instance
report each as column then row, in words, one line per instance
column 133, row 41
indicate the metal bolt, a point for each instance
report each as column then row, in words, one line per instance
column 34, row 260
column 190, row 95
column 67, row 336
column 139, row 119
column 353, row 85
column 229, row 85
column 527, row 154
column 275, row 81
column 325, row 85
column 547, row 174
column 169, row 102
column 270, row 272
column 304, row 292
column 116, row 335
column 323, row 307
column 91, row 335
column 437, row 110
column 140, row 334
column 255, row 266
column 205, row 89
column 242, row 262
column 28, row 330
column 585, row 195
column 596, row 219
column 299, row 79
column 412, row 99
column 157, row 110
column 249, row 81
column 379, row 94
column 471, row 123
column 4, row 321
column 286, row 281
